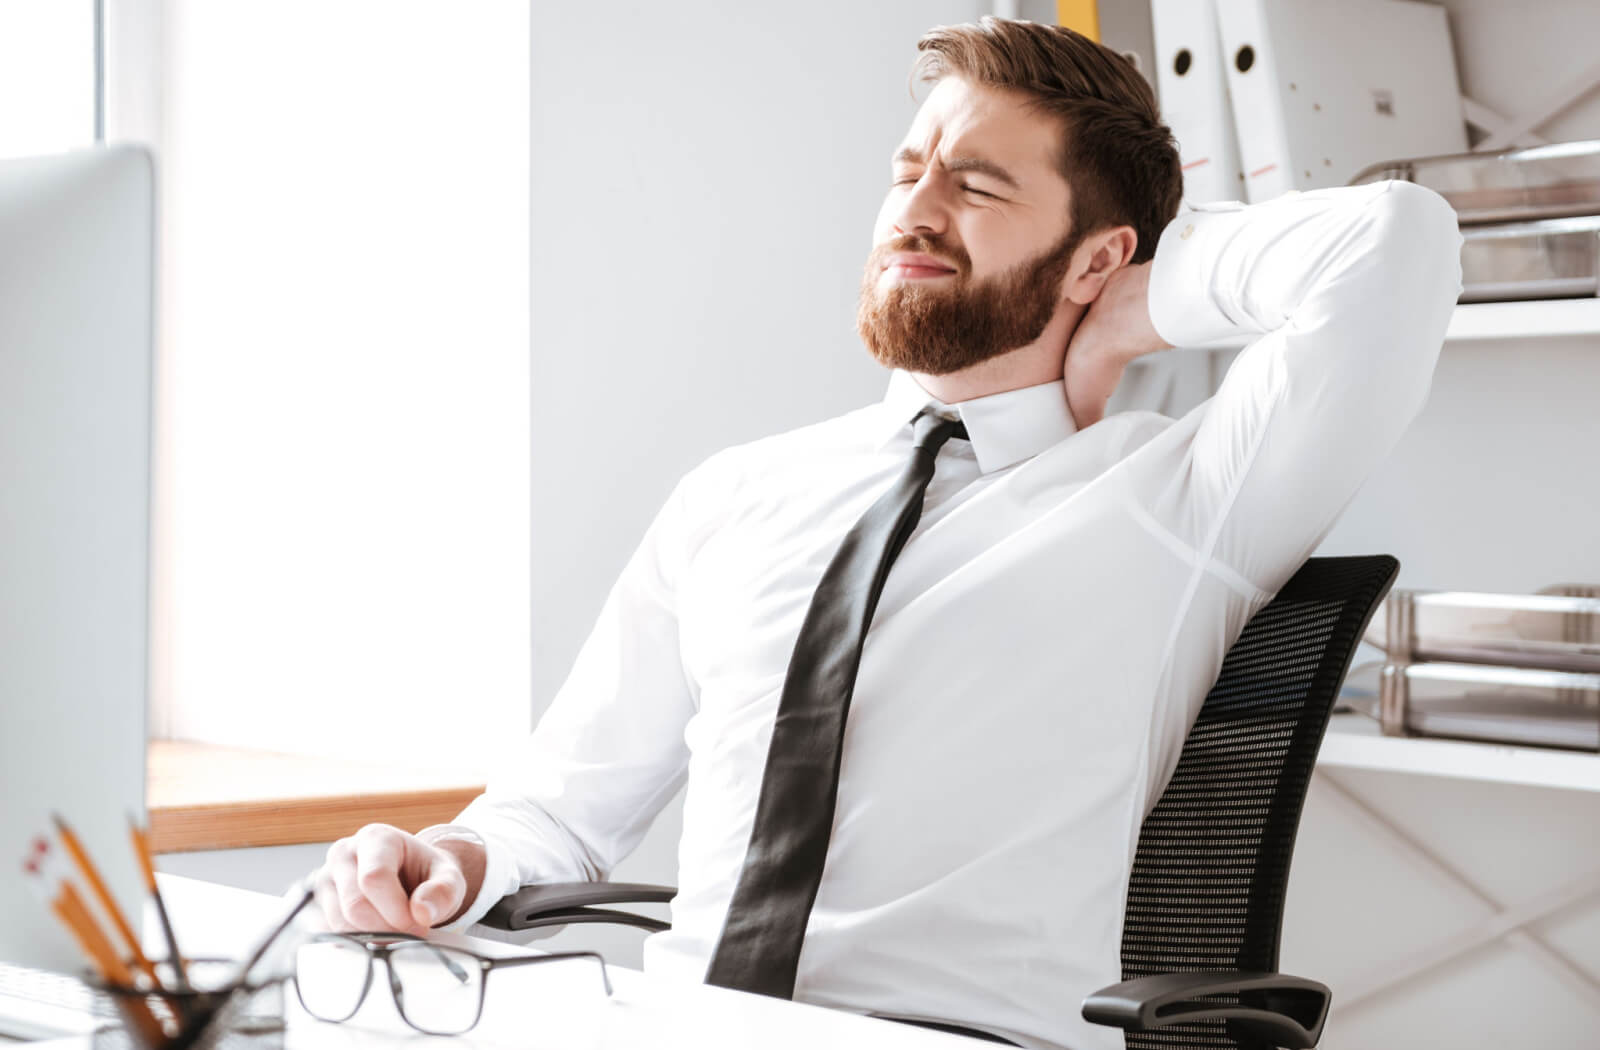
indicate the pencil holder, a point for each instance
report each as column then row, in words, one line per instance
column 217, row 1013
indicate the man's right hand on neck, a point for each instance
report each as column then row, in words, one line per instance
column 382, row 878
column 1114, row 330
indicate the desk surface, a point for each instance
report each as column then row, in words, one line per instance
column 553, row 1007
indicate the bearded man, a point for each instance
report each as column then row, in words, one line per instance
column 926, row 666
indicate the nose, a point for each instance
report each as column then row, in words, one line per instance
column 921, row 210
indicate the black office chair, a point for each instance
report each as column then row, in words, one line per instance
column 1205, row 898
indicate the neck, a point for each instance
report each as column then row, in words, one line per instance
column 1041, row 361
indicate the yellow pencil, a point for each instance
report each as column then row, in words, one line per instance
column 71, row 910
column 68, row 906
column 80, row 857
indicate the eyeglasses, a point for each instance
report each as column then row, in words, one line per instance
column 438, row 989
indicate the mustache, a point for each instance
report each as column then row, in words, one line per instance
column 912, row 242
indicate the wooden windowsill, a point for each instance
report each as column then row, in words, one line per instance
column 202, row 796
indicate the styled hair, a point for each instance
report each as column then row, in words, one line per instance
column 1119, row 159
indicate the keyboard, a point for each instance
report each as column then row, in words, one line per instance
column 38, row 1004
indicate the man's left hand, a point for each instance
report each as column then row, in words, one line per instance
column 1114, row 330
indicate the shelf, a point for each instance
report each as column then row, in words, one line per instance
column 1533, row 319
column 1355, row 742
column 1481, row 322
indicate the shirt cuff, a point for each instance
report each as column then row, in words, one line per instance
column 1183, row 307
column 499, row 873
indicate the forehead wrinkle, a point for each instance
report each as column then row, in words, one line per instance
column 912, row 155
column 955, row 127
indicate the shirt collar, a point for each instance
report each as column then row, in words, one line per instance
column 1004, row 429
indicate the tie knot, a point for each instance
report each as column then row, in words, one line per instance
column 930, row 431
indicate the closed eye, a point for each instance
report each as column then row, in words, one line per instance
column 969, row 189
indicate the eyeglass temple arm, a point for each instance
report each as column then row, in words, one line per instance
column 1279, row 1009
column 450, row 964
column 525, row 960
column 560, row 903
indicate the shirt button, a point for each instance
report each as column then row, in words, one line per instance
column 1186, row 231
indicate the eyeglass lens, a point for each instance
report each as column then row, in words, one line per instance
column 438, row 989
column 331, row 977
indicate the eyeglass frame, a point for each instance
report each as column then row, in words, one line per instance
column 376, row 951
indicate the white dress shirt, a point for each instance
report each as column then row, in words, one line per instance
column 1042, row 645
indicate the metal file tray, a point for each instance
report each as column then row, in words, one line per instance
column 1541, row 259
column 1559, row 632
column 1510, row 185
column 1505, row 705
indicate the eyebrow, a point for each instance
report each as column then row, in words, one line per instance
column 911, row 155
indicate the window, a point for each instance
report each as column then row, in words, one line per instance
column 47, row 76
column 342, row 390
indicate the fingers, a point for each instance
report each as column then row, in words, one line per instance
column 358, row 913
column 439, row 898
column 360, row 887
column 328, row 898
column 379, row 852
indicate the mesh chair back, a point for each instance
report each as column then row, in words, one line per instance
column 1208, row 881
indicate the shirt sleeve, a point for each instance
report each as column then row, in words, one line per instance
column 609, row 752
column 1346, row 293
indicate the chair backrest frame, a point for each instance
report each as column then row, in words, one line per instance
column 1212, row 867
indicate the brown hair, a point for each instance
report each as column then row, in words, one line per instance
column 1117, row 156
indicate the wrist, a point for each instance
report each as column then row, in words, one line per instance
column 1144, row 339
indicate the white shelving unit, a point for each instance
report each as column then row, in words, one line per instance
column 1533, row 319
column 1482, row 322
column 1355, row 742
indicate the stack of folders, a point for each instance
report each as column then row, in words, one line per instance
column 1530, row 218
column 1506, row 668
column 1268, row 96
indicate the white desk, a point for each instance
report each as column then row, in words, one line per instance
column 561, row 1006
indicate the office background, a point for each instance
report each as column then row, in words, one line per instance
column 702, row 180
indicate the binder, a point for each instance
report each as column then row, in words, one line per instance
column 1320, row 91
column 1194, row 98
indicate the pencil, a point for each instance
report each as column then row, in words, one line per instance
column 70, row 909
column 307, row 893
column 80, row 857
column 141, row 849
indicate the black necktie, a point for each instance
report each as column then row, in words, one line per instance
column 760, row 945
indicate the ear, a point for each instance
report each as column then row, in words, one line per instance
column 1096, row 259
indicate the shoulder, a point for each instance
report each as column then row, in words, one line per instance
column 777, row 467
column 848, row 434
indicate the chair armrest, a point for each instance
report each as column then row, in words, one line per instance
column 559, row 903
column 1273, row 1007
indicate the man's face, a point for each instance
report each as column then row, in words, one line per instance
column 977, row 197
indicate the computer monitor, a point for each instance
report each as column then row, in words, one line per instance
column 76, row 266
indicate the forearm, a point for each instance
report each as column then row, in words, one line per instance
column 502, row 842
column 1319, row 260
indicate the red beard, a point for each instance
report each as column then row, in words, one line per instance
column 944, row 328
